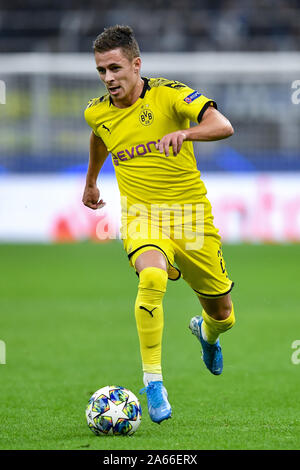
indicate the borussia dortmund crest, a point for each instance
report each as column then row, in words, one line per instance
column 146, row 116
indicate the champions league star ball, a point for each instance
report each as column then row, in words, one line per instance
column 113, row 410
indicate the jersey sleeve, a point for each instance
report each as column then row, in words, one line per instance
column 191, row 104
column 89, row 115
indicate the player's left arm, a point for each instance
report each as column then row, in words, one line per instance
column 213, row 126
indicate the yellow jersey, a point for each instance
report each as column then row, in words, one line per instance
column 144, row 175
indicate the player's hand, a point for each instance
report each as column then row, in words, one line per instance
column 174, row 140
column 91, row 197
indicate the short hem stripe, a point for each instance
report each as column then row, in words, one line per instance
column 214, row 295
column 158, row 247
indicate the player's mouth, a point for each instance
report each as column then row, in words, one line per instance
column 113, row 90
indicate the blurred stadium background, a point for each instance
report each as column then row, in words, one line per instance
column 245, row 55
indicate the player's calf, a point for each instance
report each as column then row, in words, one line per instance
column 149, row 316
column 213, row 326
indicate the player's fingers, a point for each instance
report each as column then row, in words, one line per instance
column 100, row 203
column 167, row 144
column 181, row 139
column 94, row 205
column 175, row 145
column 160, row 145
column 163, row 145
column 167, row 147
column 90, row 205
column 179, row 143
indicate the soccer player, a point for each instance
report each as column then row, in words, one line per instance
column 144, row 123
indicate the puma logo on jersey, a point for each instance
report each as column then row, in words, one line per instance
column 106, row 128
column 149, row 311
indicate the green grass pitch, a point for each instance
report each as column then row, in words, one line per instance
column 68, row 324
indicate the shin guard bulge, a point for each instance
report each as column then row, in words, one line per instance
column 149, row 316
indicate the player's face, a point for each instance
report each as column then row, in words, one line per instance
column 120, row 75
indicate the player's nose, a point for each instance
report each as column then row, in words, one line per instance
column 109, row 78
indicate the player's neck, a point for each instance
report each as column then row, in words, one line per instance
column 132, row 97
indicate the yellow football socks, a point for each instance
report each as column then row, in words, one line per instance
column 213, row 328
column 149, row 316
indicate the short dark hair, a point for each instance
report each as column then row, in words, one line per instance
column 115, row 37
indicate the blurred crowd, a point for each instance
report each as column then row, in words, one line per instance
column 160, row 25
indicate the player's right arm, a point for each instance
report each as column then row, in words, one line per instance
column 98, row 155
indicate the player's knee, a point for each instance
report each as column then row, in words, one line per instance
column 226, row 321
column 154, row 279
column 228, row 316
column 225, row 311
column 231, row 317
column 221, row 310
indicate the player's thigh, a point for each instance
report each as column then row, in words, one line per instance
column 151, row 258
column 148, row 252
column 204, row 269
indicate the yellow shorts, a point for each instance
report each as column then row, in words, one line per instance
column 199, row 259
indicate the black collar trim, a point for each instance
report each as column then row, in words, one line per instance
column 145, row 87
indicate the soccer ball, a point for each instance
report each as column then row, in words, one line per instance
column 113, row 410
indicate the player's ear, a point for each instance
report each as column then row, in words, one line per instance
column 137, row 63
